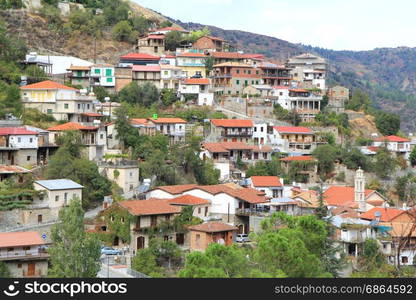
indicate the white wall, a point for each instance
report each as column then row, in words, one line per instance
column 24, row 141
column 205, row 99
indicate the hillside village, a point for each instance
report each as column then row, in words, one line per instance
column 195, row 144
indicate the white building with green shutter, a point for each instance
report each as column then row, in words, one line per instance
column 103, row 75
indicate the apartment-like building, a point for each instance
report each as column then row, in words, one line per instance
column 146, row 74
column 192, row 63
column 18, row 146
column 174, row 128
column 231, row 130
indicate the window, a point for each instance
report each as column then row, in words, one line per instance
column 97, row 71
column 28, row 158
column 66, row 196
column 261, row 129
column 112, row 218
column 56, row 198
column 101, row 136
column 255, row 129
column 167, row 217
column 10, row 249
column 237, row 82
column 198, row 240
column 79, row 106
column 110, row 79
column 88, row 106
column 166, row 238
column 31, row 140
column 257, row 72
column 199, row 210
column 405, row 259
column 249, row 72
column 66, row 106
column 26, row 248
column 19, row 266
column 122, row 220
column 19, row 140
column 206, row 211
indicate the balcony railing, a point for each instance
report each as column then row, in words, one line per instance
column 12, row 255
column 243, row 133
column 252, row 211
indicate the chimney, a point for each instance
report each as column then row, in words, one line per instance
column 359, row 190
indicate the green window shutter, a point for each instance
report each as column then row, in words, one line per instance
column 110, row 79
column 79, row 73
column 97, row 71
column 108, row 72
column 237, row 81
column 66, row 106
column 49, row 111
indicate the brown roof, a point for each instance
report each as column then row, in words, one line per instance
column 188, row 200
column 19, row 239
column 47, row 85
column 264, row 181
column 12, row 170
column 212, row 227
column 387, row 214
column 176, row 189
column 152, row 206
column 342, row 196
column 399, row 229
column 71, row 126
column 232, row 123
column 168, row 120
column 298, row 158
column 223, row 147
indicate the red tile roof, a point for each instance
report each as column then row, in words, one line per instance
column 188, row 200
column 196, row 81
column 147, row 68
column 232, row 123
column 92, row 115
column 152, row 206
column 342, row 195
column 140, row 56
column 71, row 126
column 388, row 214
column 229, row 55
column 264, row 181
column 298, row 158
column 373, row 148
column 293, row 129
column 223, row 147
column 20, row 239
column 16, row 131
column 156, row 36
column 12, row 170
column 176, row 189
column 212, row 227
column 391, row 138
column 47, row 85
column 168, row 121
column 139, row 121
column 191, row 54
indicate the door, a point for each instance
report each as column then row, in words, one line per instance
column 39, row 218
column 31, row 269
column 140, row 242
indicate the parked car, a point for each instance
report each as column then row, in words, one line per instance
column 242, row 238
column 110, row 251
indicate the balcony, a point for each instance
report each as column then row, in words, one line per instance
column 242, row 133
column 226, row 75
column 22, row 254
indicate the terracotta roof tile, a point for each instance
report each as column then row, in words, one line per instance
column 140, row 56
column 388, row 214
column 12, row 170
column 391, row 138
column 342, row 196
column 298, row 158
column 16, row 131
column 293, row 129
column 19, row 239
column 188, row 200
column 71, row 126
column 196, row 81
column 232, row 123
column 176, row 189
column 168, row 121
column 152, row 206
column 223, row 147
column 264, row 181
column 212, row 227
column 47, row 85
column 147, row 68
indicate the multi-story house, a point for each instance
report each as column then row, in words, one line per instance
column 306, row 174
column 56, row 194
column 18, row 146
column 147, row 215
column 148, row 73
column 292, row 139
column 231, row 203
column 93, row 138
column 139, row 59
column 272, row 186
column 231, row 78
column 171, row 76
column 395, row 144
column 210, row 43
column 197, row 88
column 192, row 63
column 79, row 75
column 152, row 44
column 174, row 128
column 231, row 130
column 211, row 232
column 314, row 78
column 305, row 62
column 275, row 75
column 123, row 172
column 24, row 254
column 103, row 75
column 123, row 77
column 62, row 102
column 226, row 155
column 304, row 102
column 261, row 132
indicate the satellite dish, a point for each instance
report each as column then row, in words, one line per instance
column 377, row 214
